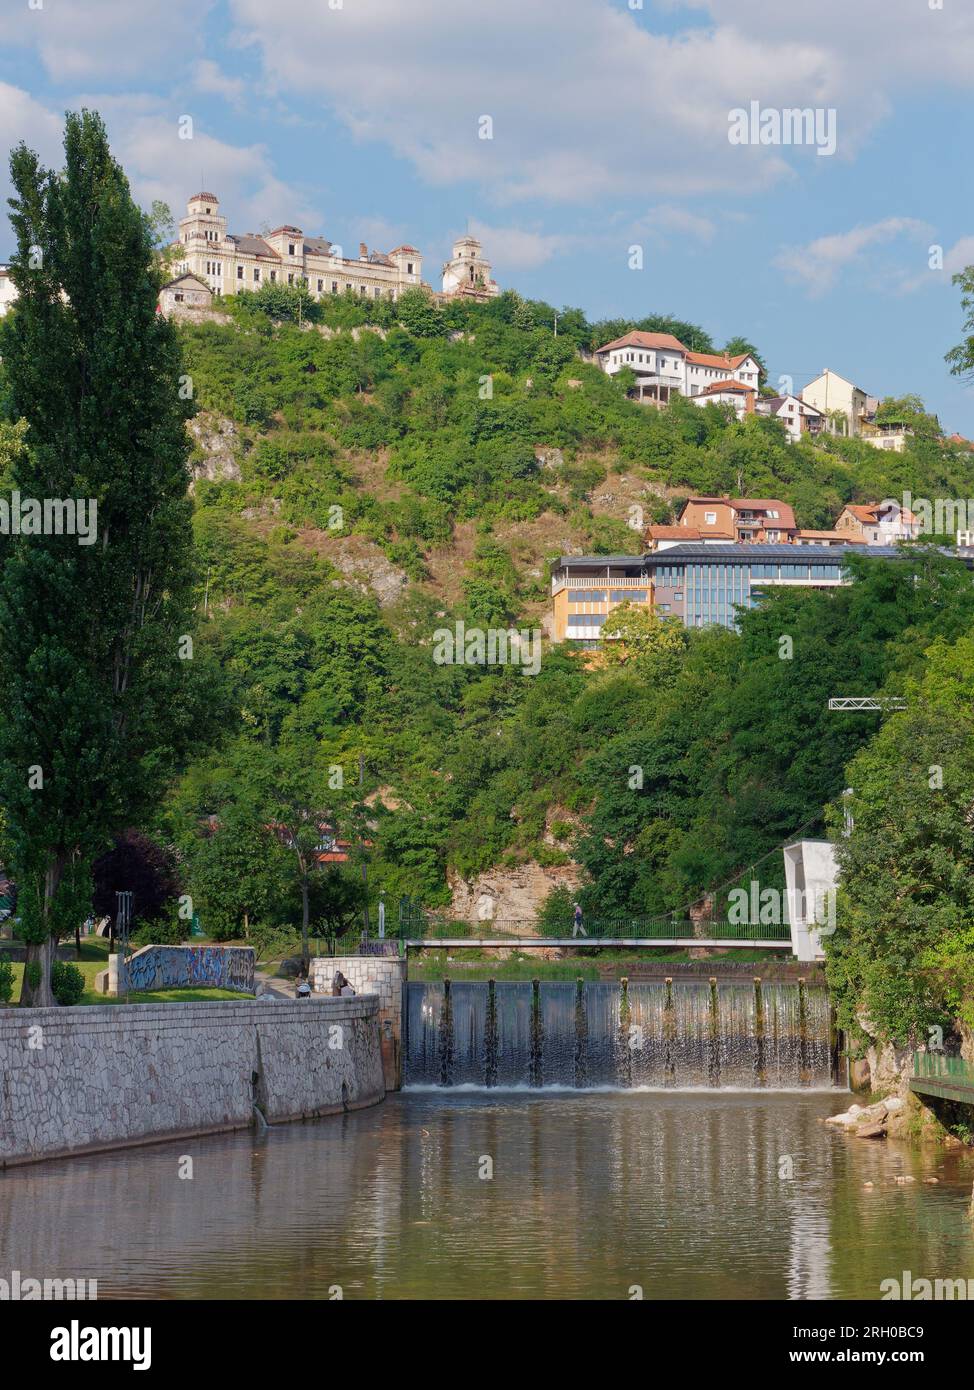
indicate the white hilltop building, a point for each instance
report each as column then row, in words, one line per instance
column 8, row 290
column 468, row 274
column 229, row 262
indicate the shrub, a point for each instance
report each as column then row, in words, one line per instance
column 67, row 982
column 6, row 980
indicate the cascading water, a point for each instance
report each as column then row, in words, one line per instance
column 622, row 1033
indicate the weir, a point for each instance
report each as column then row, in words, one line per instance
column 627, row 1033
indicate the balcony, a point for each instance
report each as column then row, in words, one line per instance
column 597, row 581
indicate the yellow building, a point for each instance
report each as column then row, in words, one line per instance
column 586, row 588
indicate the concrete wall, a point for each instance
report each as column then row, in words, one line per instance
column 80, row 1079
column 380, row 975
column 187, row 967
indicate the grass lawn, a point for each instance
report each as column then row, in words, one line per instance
column 94, row 957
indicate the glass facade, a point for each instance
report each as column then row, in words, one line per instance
column 712, row 591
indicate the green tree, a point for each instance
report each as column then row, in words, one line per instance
column 419, row 315
column 92, row 688
column 961, row 357
column 238, row 874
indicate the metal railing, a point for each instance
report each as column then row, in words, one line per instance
column 616, row 928
column 938, row 1064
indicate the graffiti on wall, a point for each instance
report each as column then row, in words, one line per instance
column 187, row 967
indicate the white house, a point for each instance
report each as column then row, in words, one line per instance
column 830, row 392
column 797, row 416
column 662, row 366
column 730, row 392
column 8, row 290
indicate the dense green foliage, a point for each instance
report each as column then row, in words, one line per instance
column 94, row 700
column 466, row 447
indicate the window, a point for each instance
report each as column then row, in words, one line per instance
column 321, row 286
column 290, row 248
column 377, row 292
column 334, row 286
column 239, row 272
column 628, row 595
column 363, row 289
column 710, row 518
column 409, row 268
column 273, row 276
column 257, row 273
column 290, row 279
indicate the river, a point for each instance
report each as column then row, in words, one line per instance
column 505, row 1194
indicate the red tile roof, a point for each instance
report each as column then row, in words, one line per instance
column 729, row 385
column 646, row 340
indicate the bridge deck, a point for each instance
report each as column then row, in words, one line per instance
column 944, row 1087
column 672, row 942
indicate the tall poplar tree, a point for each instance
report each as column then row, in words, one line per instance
column 91, row 635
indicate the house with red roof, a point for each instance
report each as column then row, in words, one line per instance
column 758, row 520
column 878, row 523
column 662, row 366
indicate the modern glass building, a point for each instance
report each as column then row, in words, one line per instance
column 701, row 584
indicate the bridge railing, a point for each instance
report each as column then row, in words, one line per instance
column 593, row 930
column 937, row 1064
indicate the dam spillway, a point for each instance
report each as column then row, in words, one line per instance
column 586, row 1034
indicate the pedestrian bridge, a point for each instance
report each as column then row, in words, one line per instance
column 656, row 933
column 947, row 1078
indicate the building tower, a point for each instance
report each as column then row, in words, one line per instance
column 468, row 273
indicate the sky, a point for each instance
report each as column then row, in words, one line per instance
column 609, row 125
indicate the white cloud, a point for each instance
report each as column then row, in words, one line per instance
column 209, row 77
column 819, row 264
column 516, row 248
column 82, row 40
column 666, row 218
column 160, row 165
column 586, row 101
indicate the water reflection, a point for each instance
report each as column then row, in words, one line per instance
column 678, row 1192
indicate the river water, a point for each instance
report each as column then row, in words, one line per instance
column 504, row 1194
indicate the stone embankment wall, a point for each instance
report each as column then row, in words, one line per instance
column 383, row 976
column 74, row 1080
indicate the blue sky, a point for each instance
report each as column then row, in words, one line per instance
column 359, row 120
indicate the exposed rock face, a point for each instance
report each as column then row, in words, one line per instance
column 509, row 894
column 548, row 458
column 215, row 438
column 364, row 564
